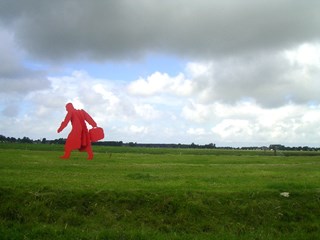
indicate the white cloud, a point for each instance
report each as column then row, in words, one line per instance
column 159, row 83
column 234, row 128
column 249, row 122
column 198, row 113
column 138, row 129
column 146, row 111
column 304, row 55
column 196, row 69
column 197, row 131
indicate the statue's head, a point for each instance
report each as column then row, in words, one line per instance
column 69, row 107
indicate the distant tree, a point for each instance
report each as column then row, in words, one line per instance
column 210, row 145
column 3, row 138
column 132, row 144
column 26, row 140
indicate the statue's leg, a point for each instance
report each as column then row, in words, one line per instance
column 67, row 153
column 89, row 151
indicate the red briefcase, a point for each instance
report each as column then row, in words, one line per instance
column 96, row 134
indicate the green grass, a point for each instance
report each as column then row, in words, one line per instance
column 147, row 193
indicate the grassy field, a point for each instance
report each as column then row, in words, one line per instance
column 145, row 193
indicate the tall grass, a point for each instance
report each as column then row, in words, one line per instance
column 145, row 194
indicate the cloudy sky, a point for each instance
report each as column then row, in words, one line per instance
column 234, row 73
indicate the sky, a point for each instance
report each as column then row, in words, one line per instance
column 233, row 73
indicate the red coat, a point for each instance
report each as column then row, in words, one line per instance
column 78, row 138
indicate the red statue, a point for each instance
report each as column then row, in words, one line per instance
column 79, row 137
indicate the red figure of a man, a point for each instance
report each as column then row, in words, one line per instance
column 79, row 137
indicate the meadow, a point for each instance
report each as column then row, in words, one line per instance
column 155, row 193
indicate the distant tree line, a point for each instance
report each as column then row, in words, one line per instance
column 170, row 145
column 28, row 140
column 105, row 143
column 280, row 147
column 274, row 147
